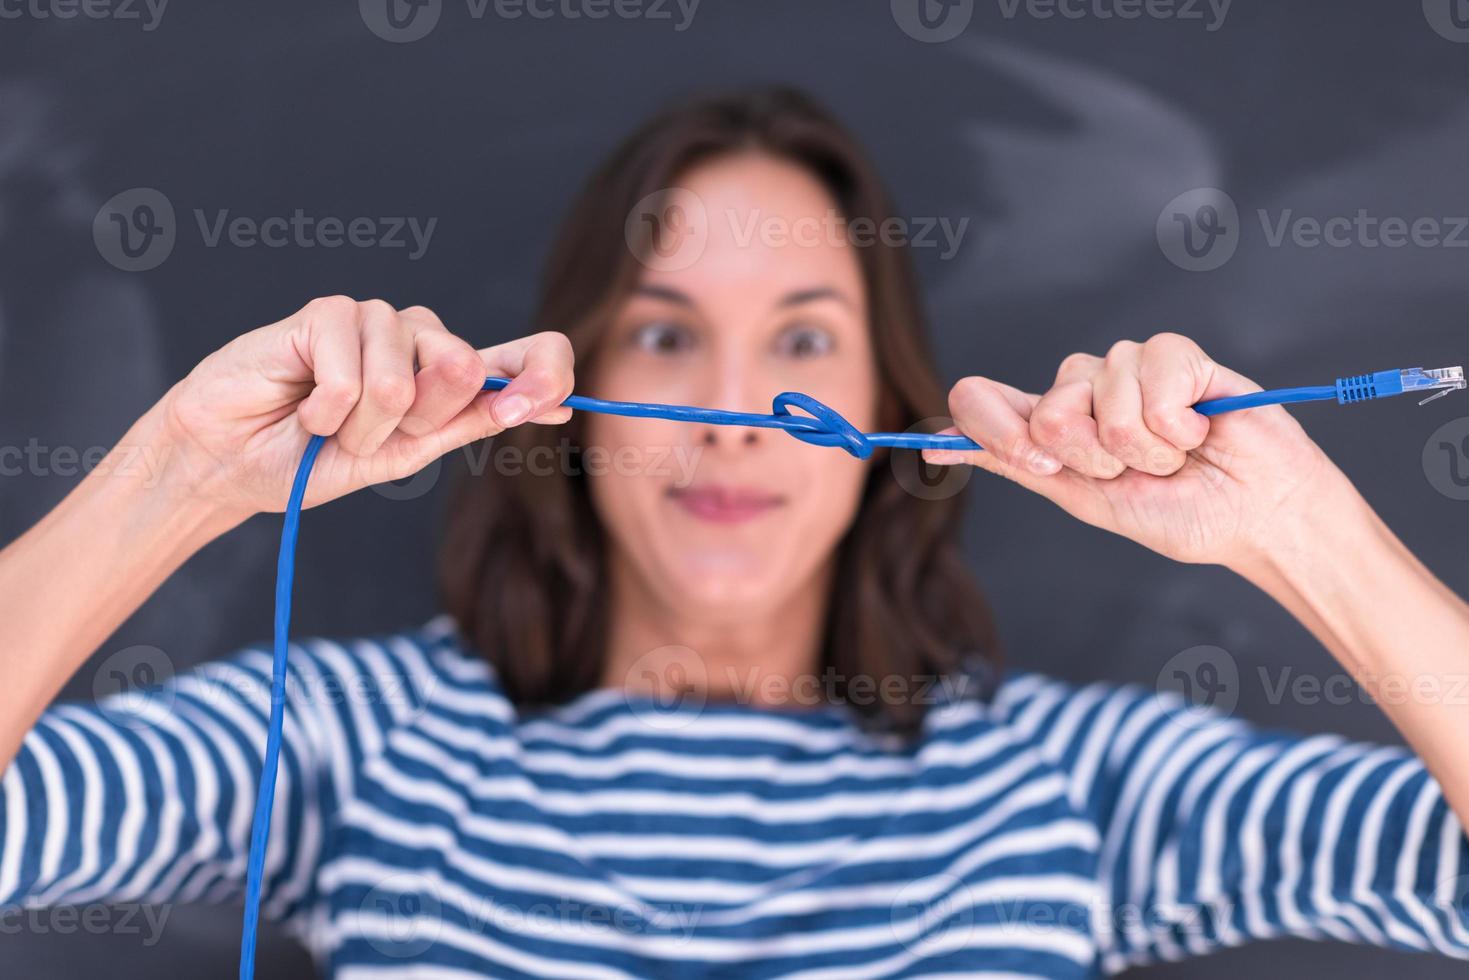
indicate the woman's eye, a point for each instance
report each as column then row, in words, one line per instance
column 662, row 337
column 804, row 341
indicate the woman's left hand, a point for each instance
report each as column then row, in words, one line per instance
column 1116, row 444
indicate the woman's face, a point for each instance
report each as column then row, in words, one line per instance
column 729, row 522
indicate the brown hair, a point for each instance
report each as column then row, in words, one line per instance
column 523, row 566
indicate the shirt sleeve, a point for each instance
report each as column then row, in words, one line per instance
column 148, row 796
column 1215, row 833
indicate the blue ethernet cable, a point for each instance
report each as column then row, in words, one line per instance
column 821, row 426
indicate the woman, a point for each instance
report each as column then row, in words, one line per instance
column 734, row 717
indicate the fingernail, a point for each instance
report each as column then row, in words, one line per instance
column 1044, row 463
column 512, row 409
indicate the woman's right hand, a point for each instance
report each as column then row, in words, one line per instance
column 394, row 388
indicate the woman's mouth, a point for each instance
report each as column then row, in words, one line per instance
column 723, row 504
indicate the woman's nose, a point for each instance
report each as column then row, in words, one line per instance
column 730, row 436
column 735, row 389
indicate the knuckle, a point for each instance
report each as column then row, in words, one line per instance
column 1051, row 424
column 342, row 394
column 1075, row 363
column 378, row 309
column 1155, row 418
column 1121, row 350
column 333, row 308
column 464, row 369
column 555, row 338
column 1116, row 437
column 1168, row 338
column 392, row 392
column 423, row 314
column 967, row 392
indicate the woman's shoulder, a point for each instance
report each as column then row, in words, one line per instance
column 407, row 668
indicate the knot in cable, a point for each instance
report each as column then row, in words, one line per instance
column 833, row 430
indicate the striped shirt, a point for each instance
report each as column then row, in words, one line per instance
column 425, row 828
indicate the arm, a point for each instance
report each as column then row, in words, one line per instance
column 395, row 389
column 1213, row 832
column 149, row 797
column 73, row 578
column 1393, row 626
column 1115, row 443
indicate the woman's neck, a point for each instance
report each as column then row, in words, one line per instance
column 766, row 657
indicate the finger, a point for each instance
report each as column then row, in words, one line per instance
column 388, row 388
column 410, row 450
column 996, row 416
column 1174, row 373
column 450, row 373
column 332, row 354
column 1117, row 404
column 541, row 369
column 1062, row 425
column 1078, row 367
column 555, row 416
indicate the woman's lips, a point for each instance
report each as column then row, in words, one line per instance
column 724, row 505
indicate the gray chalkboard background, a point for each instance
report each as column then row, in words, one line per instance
column 1062, row 140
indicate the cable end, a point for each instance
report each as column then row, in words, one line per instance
column 1440, row 381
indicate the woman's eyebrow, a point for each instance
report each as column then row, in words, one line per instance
column 666, row 293
column 811, row 295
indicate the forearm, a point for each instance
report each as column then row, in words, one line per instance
column 1392, row 624
column 73, row 578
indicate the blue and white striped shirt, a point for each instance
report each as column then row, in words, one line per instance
column 424, row 828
